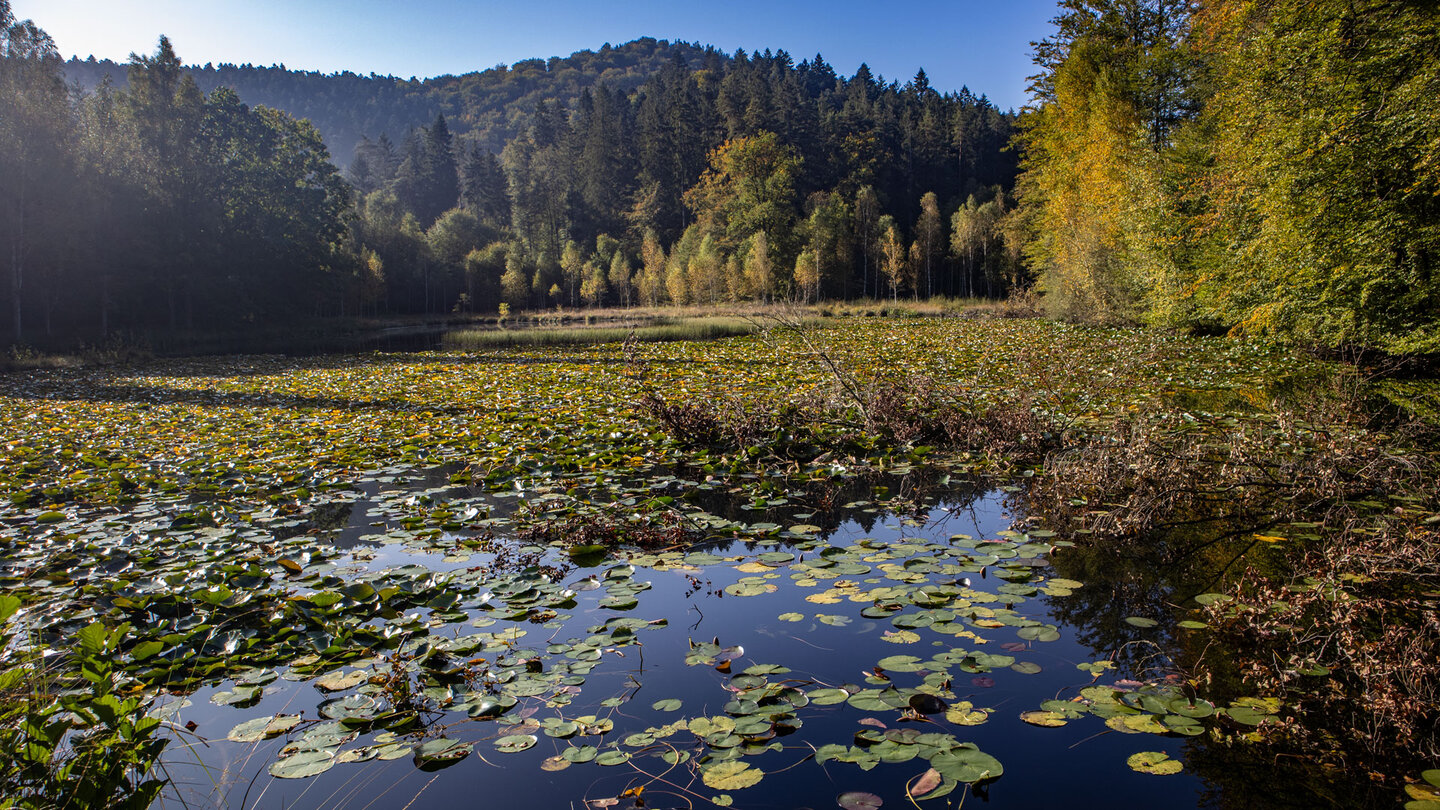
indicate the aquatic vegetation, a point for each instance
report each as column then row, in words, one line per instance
column 684, row 329
column 497, row 555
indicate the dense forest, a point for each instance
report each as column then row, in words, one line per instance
column 488, row 107
column 1263, row 166
column 648, row 173
column 1267, row 166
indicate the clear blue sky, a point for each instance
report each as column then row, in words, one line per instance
column 982, row 44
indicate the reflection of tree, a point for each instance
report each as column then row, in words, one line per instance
column 1259, row 777
column 1117, row 586
column 1156, row 576
column 914, row 495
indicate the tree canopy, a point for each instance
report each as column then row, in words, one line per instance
column 1264, row 166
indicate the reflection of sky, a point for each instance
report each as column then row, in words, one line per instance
column 975, row 43
column 1079, row 765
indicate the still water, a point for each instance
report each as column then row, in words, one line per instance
column 810, row 613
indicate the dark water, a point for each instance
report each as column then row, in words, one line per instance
column 1082, row 764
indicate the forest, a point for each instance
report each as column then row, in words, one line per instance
column 1177, row 166
column 673, row 174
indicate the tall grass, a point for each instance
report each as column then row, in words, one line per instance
column 688, row 329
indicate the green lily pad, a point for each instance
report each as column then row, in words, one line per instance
column 514, row 743
column 441, row 753
column 828, row 697
column 262, row 728
column 303, row 764
column 580, row 753
column 612, row 757
column 967, row 763
column 1154, row 762
column 1044, row 719
column 859, row 800
column 731, row 775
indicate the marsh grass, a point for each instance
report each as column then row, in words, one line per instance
column 682, row 329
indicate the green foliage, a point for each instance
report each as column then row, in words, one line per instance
column 1327, row 216
column 162, row 208
column 748, row 187
column 158, row 206
column 76, row 743
column 1182, row 168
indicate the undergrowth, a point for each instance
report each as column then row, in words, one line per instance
column 1345, row 632
column 1344, row 635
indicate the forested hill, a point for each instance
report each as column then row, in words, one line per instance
column 653, row 173
column 487, row 107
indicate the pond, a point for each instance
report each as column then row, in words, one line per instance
column 407, row 580
column 723, row 672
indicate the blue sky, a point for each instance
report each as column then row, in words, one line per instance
column 982, row 44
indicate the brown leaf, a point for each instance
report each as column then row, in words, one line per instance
column 925, row 783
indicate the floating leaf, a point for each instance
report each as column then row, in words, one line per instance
column 262, row 728
column 580, row 753
column 612, row 757
column 1155, row 762
column 1140, row 621
column 967, row 763
column 1044, row 719
column 302, row 764
column 963, row 714
column 337, row 682
column 857, row 800
column 666, row 705
column 926, row 783
column 440, row 753
column 922, row 703
column 828, row 697
column 731, row 775
column 514, row 743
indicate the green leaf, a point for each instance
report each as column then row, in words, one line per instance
column 731, row 775
column 440, row 753
column 303, row 764
column 514, row 743
column 9, row 606
column 610, row 758
column 1154, row 762
column 146, row 649
column 859, row 800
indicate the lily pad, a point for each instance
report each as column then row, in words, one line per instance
column 514, row 743
column 858, row 800
column 441, row 753
column 303, row 764
column 1154, row 762
column 731, row 775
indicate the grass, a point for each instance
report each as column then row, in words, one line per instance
column 682, row 329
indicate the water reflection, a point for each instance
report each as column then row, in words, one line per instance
column 888, row 533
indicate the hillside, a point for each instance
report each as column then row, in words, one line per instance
column 488, row 107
